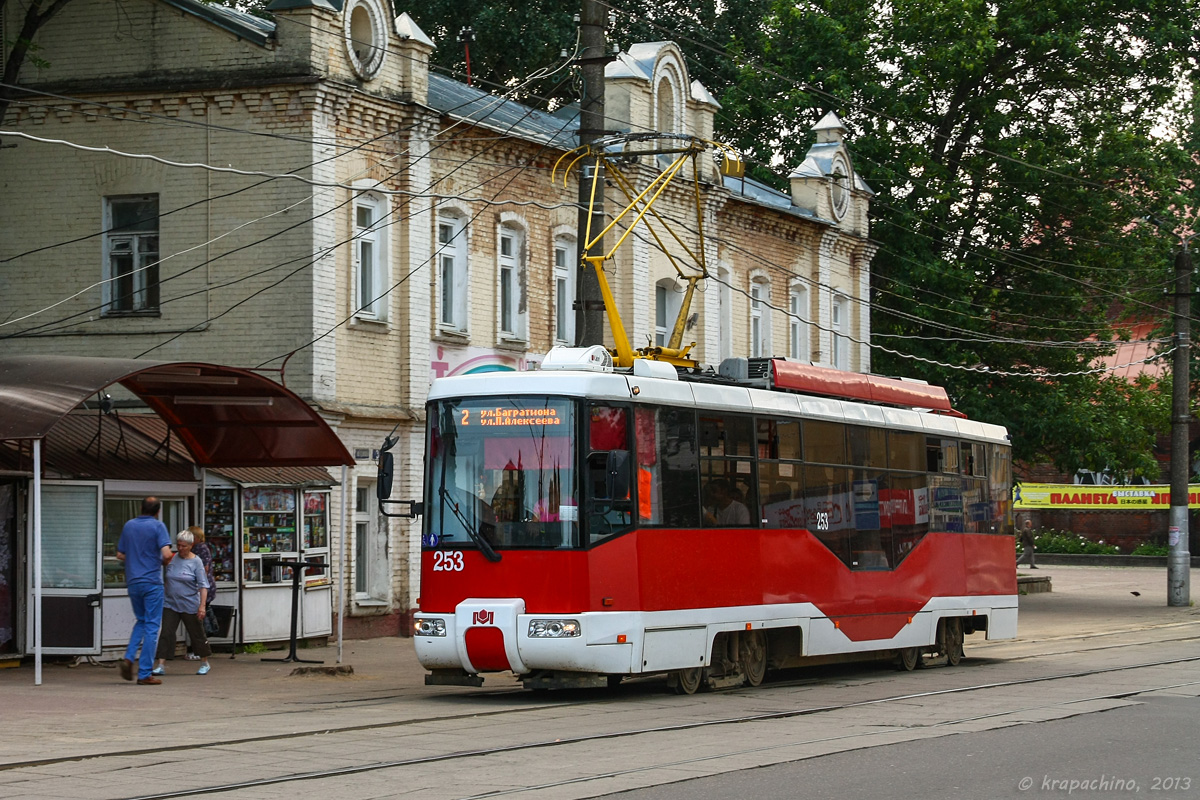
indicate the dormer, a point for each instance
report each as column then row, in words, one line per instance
column 647, row 88
column 357, row 41
column 826, row 183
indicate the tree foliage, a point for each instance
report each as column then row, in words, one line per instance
column 21, row 44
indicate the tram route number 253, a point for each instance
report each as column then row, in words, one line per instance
column 447, row 561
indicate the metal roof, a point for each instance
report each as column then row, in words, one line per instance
column 241, row 24
column 226, row 417
column 459, row 101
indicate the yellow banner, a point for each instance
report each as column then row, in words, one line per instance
column 1027, row 496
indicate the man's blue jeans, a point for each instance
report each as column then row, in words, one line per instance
column 147, row 600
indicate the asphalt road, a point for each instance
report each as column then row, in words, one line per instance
column 1150, row 749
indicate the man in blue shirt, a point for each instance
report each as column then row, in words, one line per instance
column 145, row 547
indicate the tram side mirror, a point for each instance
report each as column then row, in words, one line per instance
column 616, row 474
column 383, row 478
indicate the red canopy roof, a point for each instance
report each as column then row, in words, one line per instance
column 227, row 417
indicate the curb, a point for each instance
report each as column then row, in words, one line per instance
column 1089, row 560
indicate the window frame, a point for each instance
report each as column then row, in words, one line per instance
column 452, row 253
column 564, row 289
column 512, row 317
column 839, row 319
column 144, row 277
column 375, row 308
column 798, row 344
column 760, row 317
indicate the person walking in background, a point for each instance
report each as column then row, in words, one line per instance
column 144, row 548
column 203, row 551
column 1027, row 545
column 186, row 601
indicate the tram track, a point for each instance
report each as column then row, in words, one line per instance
column 335, row 772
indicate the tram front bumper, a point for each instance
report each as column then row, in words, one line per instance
column 494, row 635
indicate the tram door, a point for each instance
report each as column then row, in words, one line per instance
column 71, row 569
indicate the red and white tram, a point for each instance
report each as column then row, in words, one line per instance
column 583, row 524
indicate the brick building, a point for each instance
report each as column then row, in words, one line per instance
column 416, row 234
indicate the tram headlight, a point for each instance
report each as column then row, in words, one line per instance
column 553, row 628
column 431, row 627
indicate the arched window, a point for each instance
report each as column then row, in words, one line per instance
column 841, row 333
column 760, row 318
column 667, row 302
column 665, row 116
column 798, row 322
column 724, row 314
column 452, row 273
column 511, row 282
column 566, row 260
column 370, row 256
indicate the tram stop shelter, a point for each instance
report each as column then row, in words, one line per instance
column 223, row 416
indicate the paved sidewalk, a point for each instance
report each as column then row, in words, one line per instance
column 88, row 709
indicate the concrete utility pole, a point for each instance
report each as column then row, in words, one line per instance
column 1179, row 561
column 593, row 56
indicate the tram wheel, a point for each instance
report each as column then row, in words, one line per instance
column 908, row 658
column 754, row 656
column 686, row 681
column 954, row 642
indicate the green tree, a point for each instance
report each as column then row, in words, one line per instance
column 22, row 45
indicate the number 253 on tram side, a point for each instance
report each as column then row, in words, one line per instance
column 583, row 524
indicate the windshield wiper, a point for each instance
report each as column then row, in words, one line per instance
column 484, row 546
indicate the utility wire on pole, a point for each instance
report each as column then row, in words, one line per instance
column 593, row 56
column 1179, row 560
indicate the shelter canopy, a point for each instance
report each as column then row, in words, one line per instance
column 226, row 417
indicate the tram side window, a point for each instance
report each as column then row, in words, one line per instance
column 824, row 442
column 778, row 440
column 829, row 507
column 781, row 492
column 867, row 446
column 649, row 472
column 728, row 486
column 607, row 481
column 678, row 467
column 906, row 451
column 908, row 508
column 1000, row 478
column 871, row 538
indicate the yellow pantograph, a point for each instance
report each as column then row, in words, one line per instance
column 640, row 205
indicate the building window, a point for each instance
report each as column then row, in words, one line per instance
column 841, row 341
column 366, row 37
column 370, row 258
column 565, row 261
column 798, row 324
column 131, row 254
column 760, row 319
column 452, row 273
column 666, row 106
column 510, row 289
column 724, row 314
column 371, row 569
column 667, row 302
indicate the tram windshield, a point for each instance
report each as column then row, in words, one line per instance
column 501, row 474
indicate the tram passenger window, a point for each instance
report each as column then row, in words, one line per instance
column 779, row 439
column 824, row 442
column 906, row 451
column 941, row 455
column 728, row 493
column 781, row 490
column 867, row 446
column 871, row 540
column 908, row 507
column 649, row 473
column 946, row 503
column 679, row 465
column 977, row 459
column 726, row 435
column 828, row 507
column 609, row 507
column 1000, row 478
column 976, row 506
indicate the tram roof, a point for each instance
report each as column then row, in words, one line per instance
column 720, row 397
